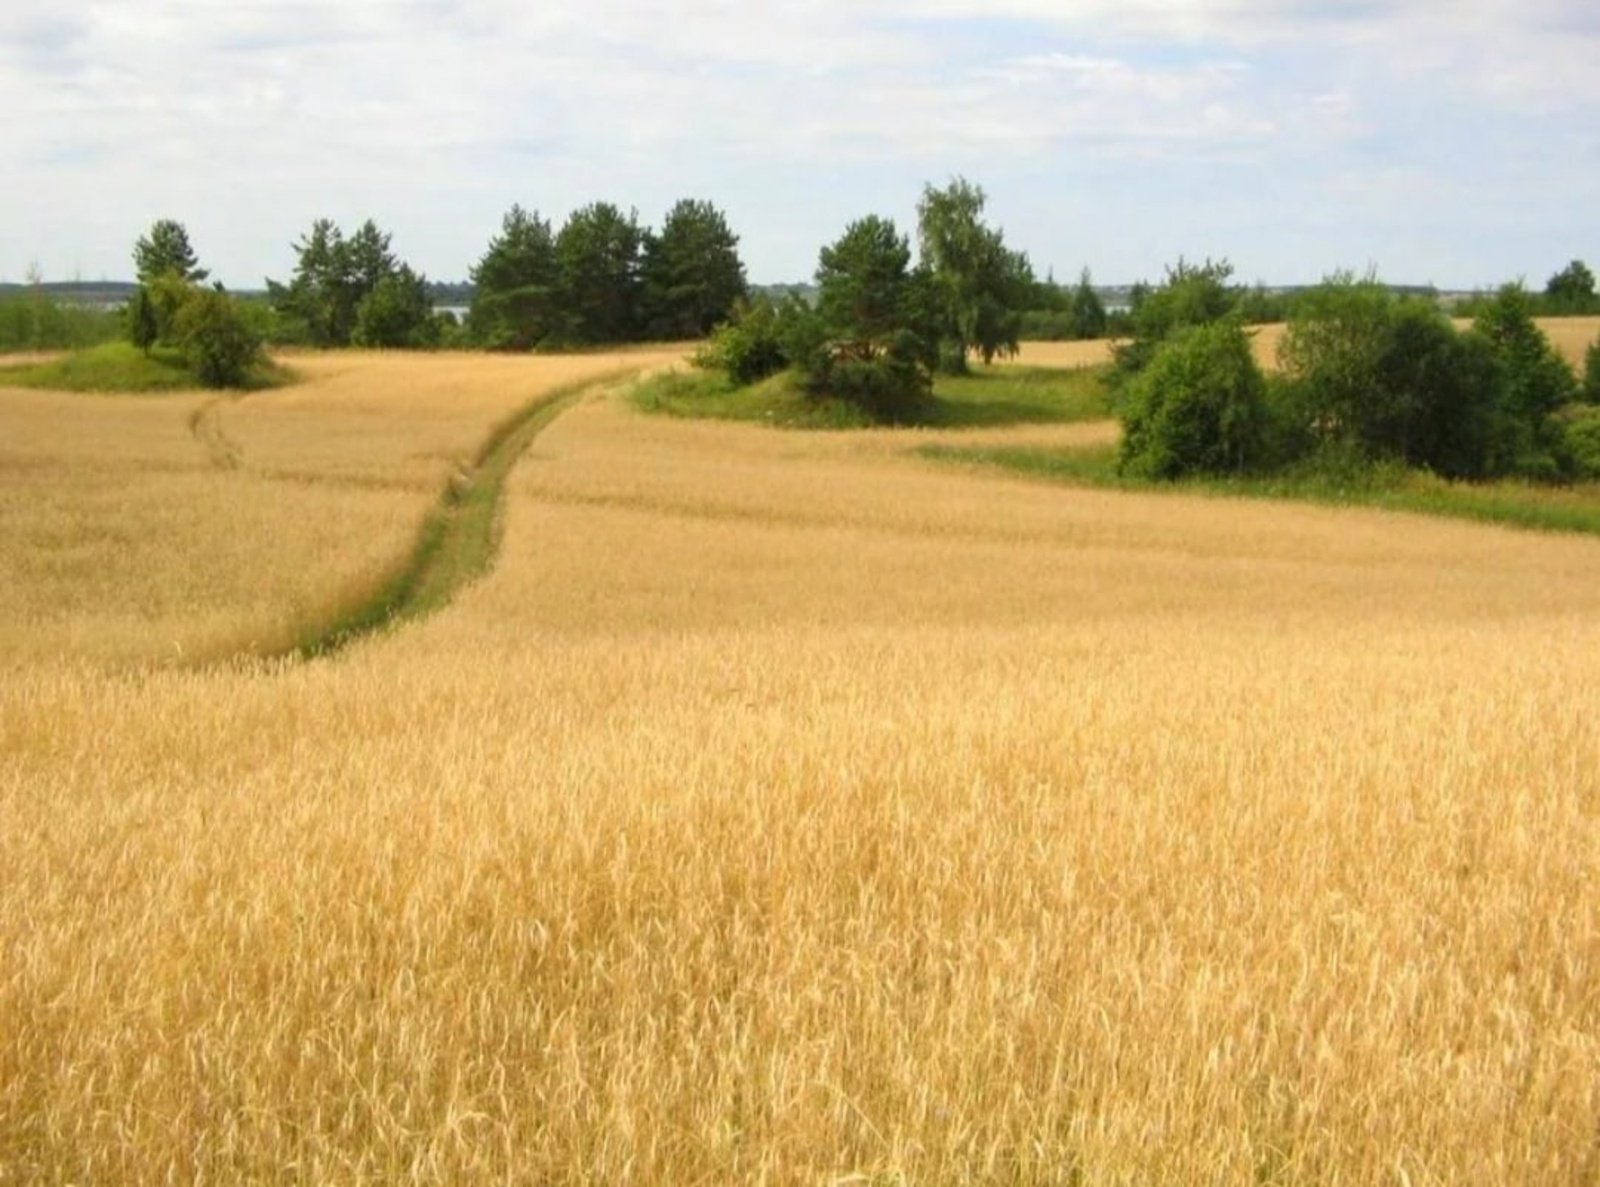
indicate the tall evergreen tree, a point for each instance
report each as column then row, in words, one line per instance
column 598, row 251
column 517, row 285
column 691, row 273
column 166, row 249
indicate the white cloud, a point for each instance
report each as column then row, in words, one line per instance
column 249, row 119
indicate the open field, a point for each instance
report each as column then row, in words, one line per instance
column 1572, row 336
column 782, row 807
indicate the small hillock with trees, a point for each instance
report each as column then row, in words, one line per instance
column 177, row 332
column 882, row 326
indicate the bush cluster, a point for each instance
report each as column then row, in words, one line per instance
column 217, row 340
column 1369, row 380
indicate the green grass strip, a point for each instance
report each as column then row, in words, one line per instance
column 459, row 539
column 1508, row 503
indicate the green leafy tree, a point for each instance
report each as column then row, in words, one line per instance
column 981, row 287
column 1198, row 407
column 1591, row 374
column 1381, row 378
column 217, row 340
column 397, row 313
column 320, row 299
column 143, row 328
column 165, row 249
column 518, row 285
column 1536, row 383
column 598, row 251
column 691, row 274
column 1190, row 295
column 1571, row 290
column 333, row 276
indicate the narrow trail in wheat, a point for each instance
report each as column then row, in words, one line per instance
column 206, row 425
column 458, row 541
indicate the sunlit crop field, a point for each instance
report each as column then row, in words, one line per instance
column 781, row 808
column 1571, row 336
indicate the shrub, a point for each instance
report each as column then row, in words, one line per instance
column 218, row 344
column 1590, row 392
column 396, row 313
column 143, row 328
column 1198, row 407
column 1581, row 442
column 1191, row 295
column 891, row 386
column 749, row 347
column 1388, row 379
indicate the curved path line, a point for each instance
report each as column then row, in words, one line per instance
column 205, row 422
column 459, row 539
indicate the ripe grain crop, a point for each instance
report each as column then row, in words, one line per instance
column 1571, row 336
column 784, row 809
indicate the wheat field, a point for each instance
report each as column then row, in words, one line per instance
column 780, row 809
column 1571, row 336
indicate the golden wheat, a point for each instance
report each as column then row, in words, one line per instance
column 782, row 809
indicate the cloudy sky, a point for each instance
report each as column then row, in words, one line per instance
column 1454, row 142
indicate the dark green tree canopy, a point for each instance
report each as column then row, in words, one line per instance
column 396, row 313
column 598, row 251
column 864, row 281
column 518, row 284
column 165, row 248
column 1571, row 290
column 692, row 275
column 334, row 275
column 142, row 325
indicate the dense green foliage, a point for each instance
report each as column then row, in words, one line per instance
column 1191, row 295
column 1198, row 407
column 144, row 328
column 691, row 275
column 599, row 253
column 217, row 342
column 1571, row 291
column 881, row 325
column 397, row 313
column 1535, row 383
column 979, row 288
column 322, row 303
column 1590, row 393
column 604, row 278
column 1386, row 379
column 518, row 285
column 164, row 251
column 1369, row 379
column 37, row 321
column 762, row 338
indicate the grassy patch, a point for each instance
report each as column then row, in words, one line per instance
column 780, row 400
column 1517, row 504
column 989, row 397
column 122, row 367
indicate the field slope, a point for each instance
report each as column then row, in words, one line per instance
column 781, row 807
